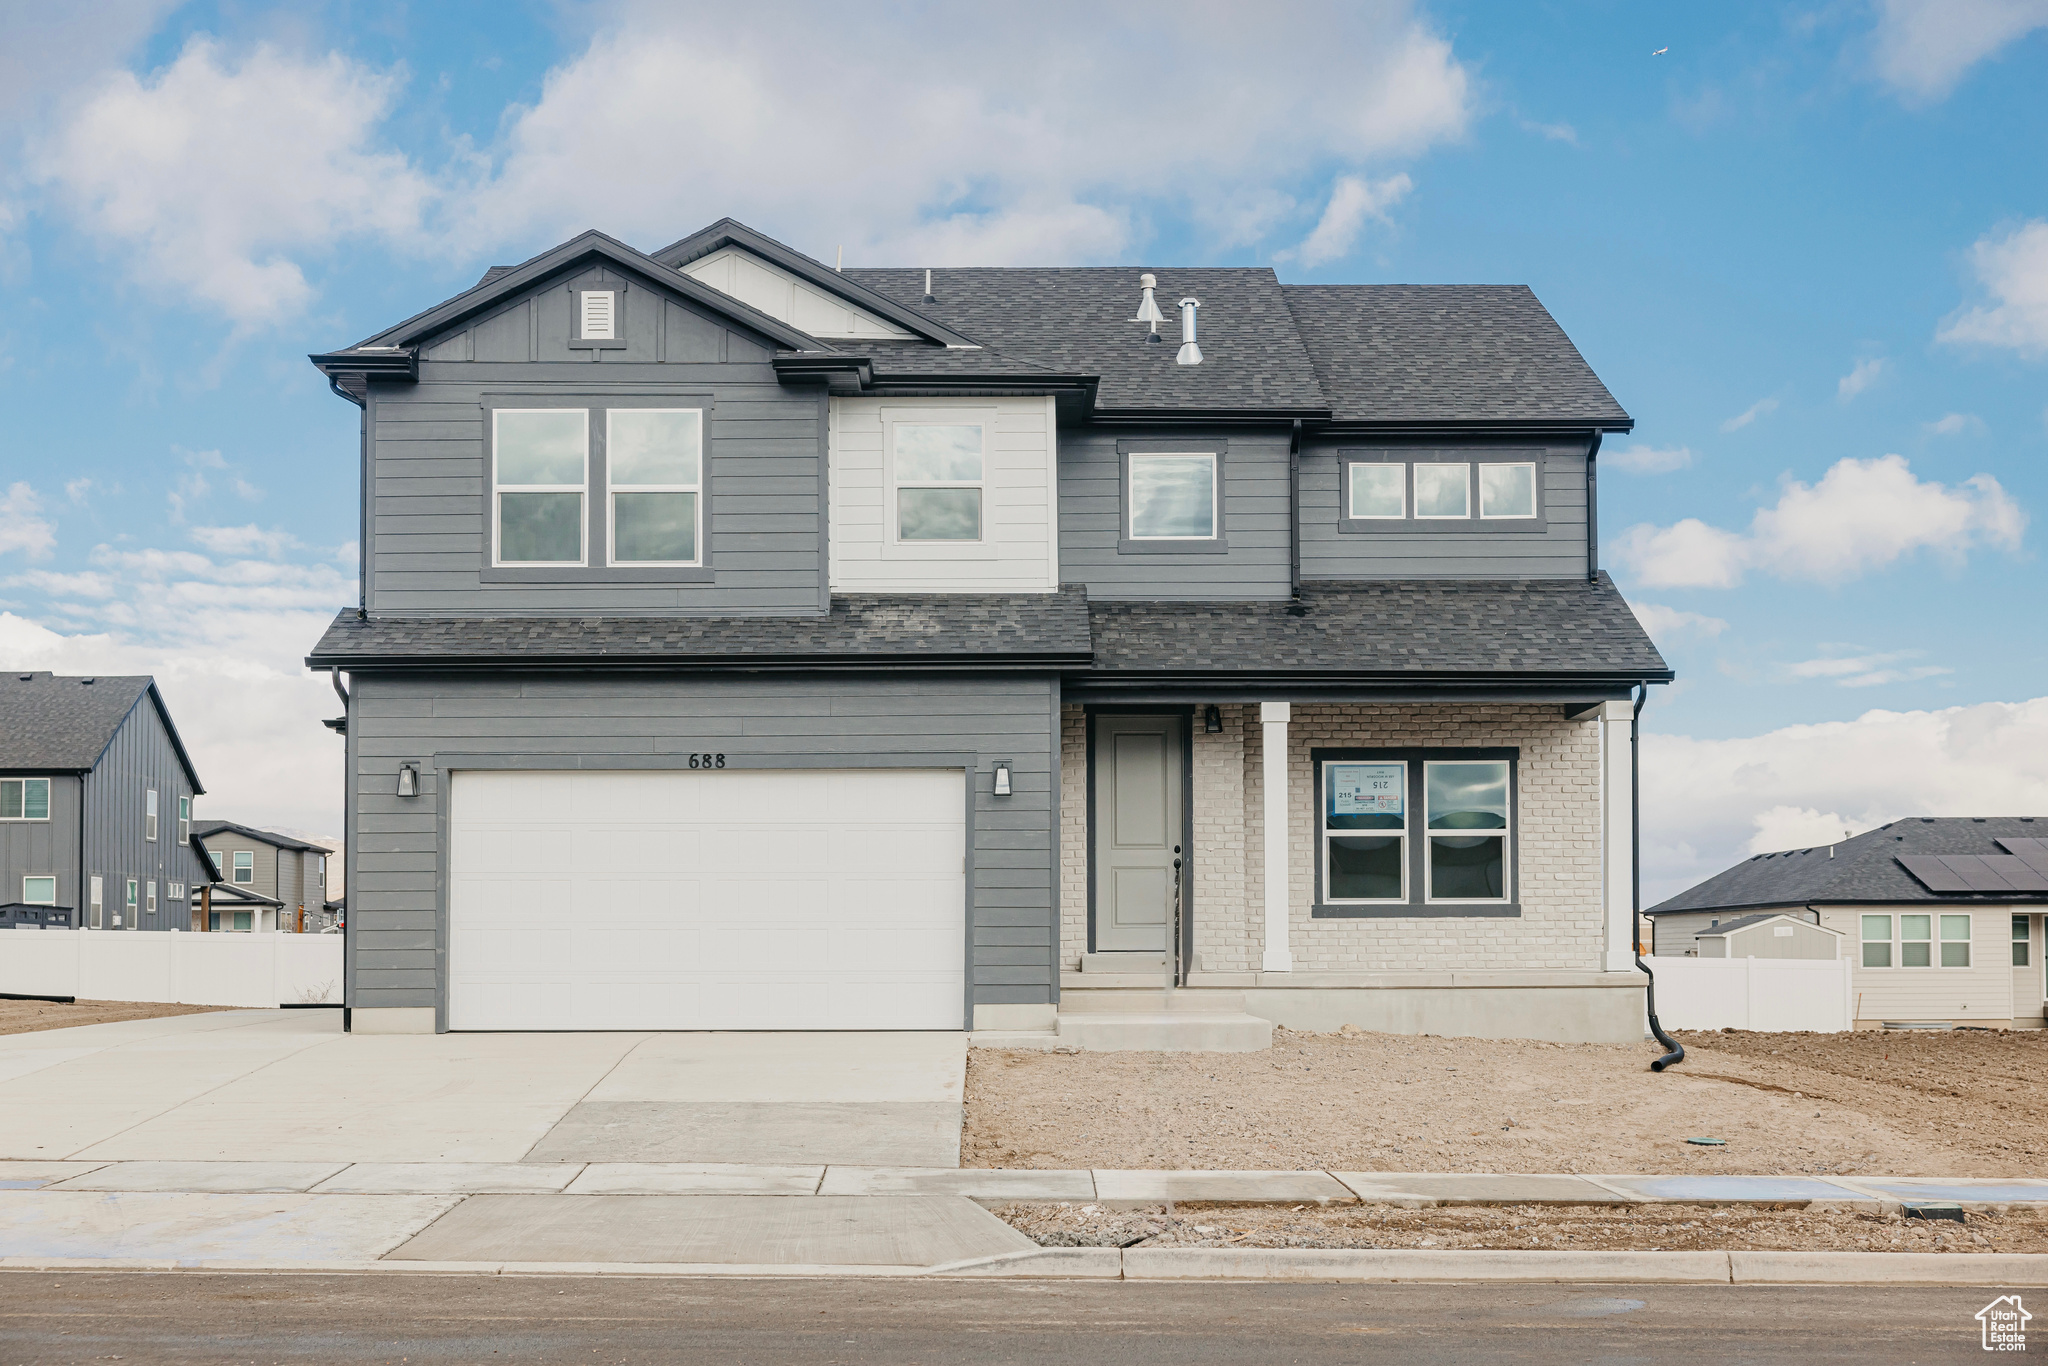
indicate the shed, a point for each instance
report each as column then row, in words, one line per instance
column 1771, row 935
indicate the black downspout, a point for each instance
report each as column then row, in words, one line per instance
column 1635, row 800
column 83, row 901
column 362, row 494
column 1593, row 511
column 1294, row 520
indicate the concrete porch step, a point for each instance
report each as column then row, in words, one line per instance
column 1152, row 999
column 1119, row 963
column 1175, row 1031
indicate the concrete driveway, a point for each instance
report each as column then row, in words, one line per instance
column 289, row 1086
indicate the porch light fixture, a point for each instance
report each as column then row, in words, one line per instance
column 408, row 780
column 1003, row 778
column 1212, row 719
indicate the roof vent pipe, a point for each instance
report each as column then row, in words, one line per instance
column 928, row 288
column 1148, row 307
column 1190, row 354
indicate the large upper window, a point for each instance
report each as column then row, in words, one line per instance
column 1379, row 491
column 1406, row 829
column 1915, row 944
column 1507, row 491
column 940, row 473
column 1172, row 497
column 1443, row 491
column 540, row 467
column 24, row 799
column 654, row 471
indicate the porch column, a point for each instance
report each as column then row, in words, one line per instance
column 1617, row 845
column 1274, row 717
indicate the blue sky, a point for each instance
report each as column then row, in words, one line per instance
column 1805, row 244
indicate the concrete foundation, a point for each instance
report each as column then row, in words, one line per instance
column 392, row 1020
column 1558, row 1007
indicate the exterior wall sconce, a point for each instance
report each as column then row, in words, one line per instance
column 1002, row 777
column 408, row 780
column 1212, row 719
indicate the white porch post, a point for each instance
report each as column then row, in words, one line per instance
column 1274, row 717
column 1617, row 843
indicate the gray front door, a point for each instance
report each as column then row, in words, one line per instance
column 1137, row 830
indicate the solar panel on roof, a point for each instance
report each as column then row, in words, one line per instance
column 2032, row 852
column 1933, row 873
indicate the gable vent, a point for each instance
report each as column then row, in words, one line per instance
column 598, row 314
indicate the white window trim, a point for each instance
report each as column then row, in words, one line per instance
column 980, row 548
column 235, row 868
column 28, row 900
column 1351, row 512
column 1507, row 843
column 1898, row 942
column 49, row 798
column 581, row 489
column 1535, row 491
column 1415, row 501
column 149, row 897
column 184, row 820
column 611, row 533
column 1405, row 834
column 1131, row 493
column 175, row 891
column 149, row 814
column 98, row 902
column 133, row 888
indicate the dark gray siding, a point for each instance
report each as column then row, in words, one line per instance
column 43, row 848
column 290, row 875
column 1558, row 552
column 429, row 543
column 595, row 721
column 1255, row 509
column 138, row 758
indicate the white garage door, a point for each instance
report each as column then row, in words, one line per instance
column 777, row 899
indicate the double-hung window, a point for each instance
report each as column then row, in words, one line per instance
column 540, row 465
column 245, row 865
column 39, row 891
column 149, row 893
column 940, row 473
column 149, row 814
column 184, row 820
column 24, row 799
column 1365, row 832
column 130, row 903
column 98, row 902
column 654, row 477
column 1467, row 808
column 1415, row 832
column 1172, row 497
column 1916, row 945
column 2022, row 940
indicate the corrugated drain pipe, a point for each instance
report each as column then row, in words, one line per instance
column 1635, row 799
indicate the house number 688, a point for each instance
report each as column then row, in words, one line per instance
column 707, row 761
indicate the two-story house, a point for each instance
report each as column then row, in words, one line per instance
column 96, row 794
column 268, row 881
column 748, row 644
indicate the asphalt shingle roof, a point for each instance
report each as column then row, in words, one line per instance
column 1862, row 869
column 205, row 828
column 1421, row 353
column 1405, row 627
column 62, row 724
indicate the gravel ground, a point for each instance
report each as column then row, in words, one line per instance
column 1667, row 1228
column 26, row 1017
column 1961, row 1103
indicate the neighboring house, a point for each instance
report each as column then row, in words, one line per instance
column 1941, row 915
column 96, row 794
column 282, row 881
column 749, row 644
column 1675, row 934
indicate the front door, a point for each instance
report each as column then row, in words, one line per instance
column 1137, row 830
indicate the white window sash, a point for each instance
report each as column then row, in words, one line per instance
column 149, row 896
column 892, row 512
column 1464, row 469
column 1215, row 494
column 1351, row 512
column 1535, row 492
column 612, row 488
column 1507, row 843
column 149, row 815
column 23, row 786
column 580, row 488
column 33, row 898
column 1404, row 834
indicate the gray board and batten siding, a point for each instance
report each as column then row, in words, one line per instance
column 138, row 758
column 523, row 720
column 44, row 848
column 429, row 541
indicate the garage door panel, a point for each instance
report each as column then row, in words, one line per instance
column 759, row 899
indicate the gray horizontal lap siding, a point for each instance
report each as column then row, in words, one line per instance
column 592, row 720
column 1558, row 552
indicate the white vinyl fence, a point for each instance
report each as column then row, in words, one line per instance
column 1772, row 994
column 265, row 970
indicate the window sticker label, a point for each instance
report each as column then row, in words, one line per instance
column 1366, row 790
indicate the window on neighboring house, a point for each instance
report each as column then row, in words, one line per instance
column 175, row 891
column 654, row 471
column 245, row 865
column 1443, row 492
column 1173, row 497
column 184, row 820
column 24, row 799
column 233, row 920
column 2022, row 940
column 39, row 891
column 1507, row 491
column 1914, row 946
column 219, row 868
column 940, row 474
column 98, row 903
column 149, row 897
column 1955, row 941
column 1379, row 492
column 1365, row 831
column 149, row 814
column 1467, row 804
column 130, row 903
column 599, row 308
column 540, row 466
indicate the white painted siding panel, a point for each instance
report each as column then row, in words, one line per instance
column 1020, row 509
column 781, row 295
column 1978, row 994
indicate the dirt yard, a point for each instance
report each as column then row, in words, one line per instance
column 26, row 1017
column 1961, row 1103
column 1666, row 1228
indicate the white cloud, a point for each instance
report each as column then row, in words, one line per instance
column 61, row 585
column 1556, row 132
column 1861, row 377
column 1952, row 423
column 1762, row 407
column 2013, row 269
column 1669, row 623
column 1861, row 516
column 51, row 48
column 245, row 540
column 1640, row 459
column 1709, row 803
column 22, row 527
column 1866, row 670
column 216, row 177
column 1353, row 201
column 1923, row 47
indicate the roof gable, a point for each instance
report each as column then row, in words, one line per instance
column 58, row 724
column 1866, row 868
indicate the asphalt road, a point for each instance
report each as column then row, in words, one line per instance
column 79, row 1317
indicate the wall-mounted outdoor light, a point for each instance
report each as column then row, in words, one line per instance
column 1212, row 719
column 1002, row 777
column 408, row 780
